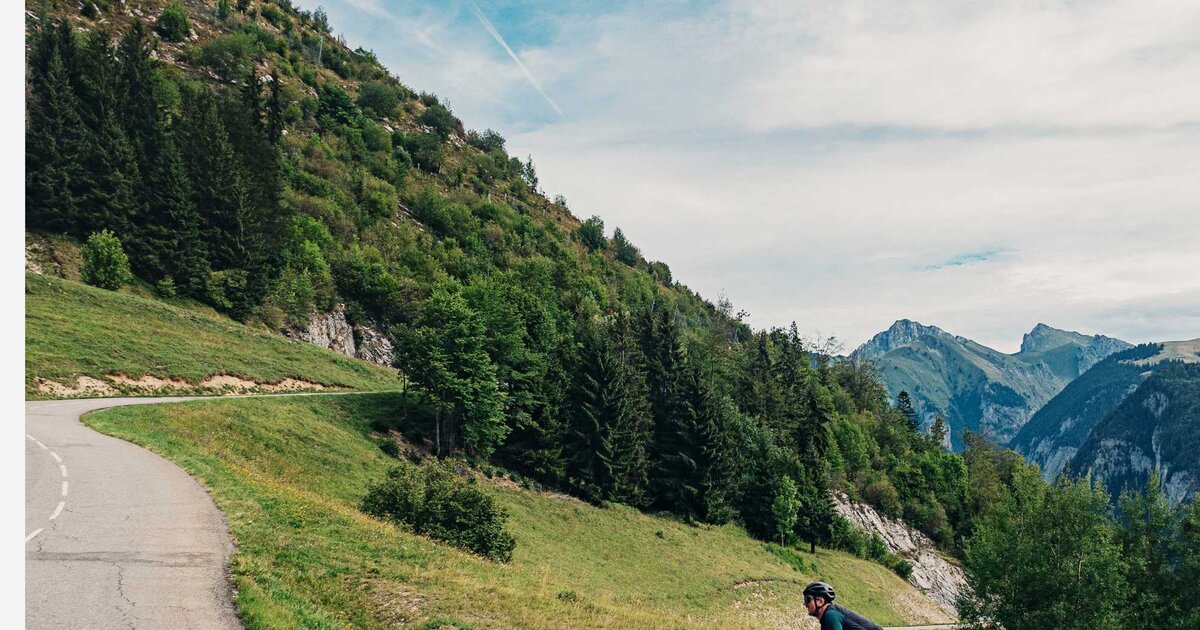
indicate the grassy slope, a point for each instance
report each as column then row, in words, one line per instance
column 288, row 473
column 73, row 329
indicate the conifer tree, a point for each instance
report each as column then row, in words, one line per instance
column 674, row 447
column 54, row 137
column 905, row 406
column 608, row 430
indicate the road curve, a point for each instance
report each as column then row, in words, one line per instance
column 116, row 536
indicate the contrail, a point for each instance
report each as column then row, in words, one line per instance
column 487, row 24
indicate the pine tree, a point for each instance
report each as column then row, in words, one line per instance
column 54, row 136
column 674, row 447
column 606, row 435
column 905, row 406
column 274, row 111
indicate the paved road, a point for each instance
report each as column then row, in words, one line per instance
column 116, row 536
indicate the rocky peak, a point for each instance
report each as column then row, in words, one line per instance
column 901, row 333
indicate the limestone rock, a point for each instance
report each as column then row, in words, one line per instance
column 933, row 574
column 373, row 346
column 327, row 330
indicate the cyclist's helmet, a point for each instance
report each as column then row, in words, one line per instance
column 819, row 589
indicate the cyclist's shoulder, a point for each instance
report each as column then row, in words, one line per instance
column 832, row 619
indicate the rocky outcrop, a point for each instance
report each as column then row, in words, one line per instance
column 932, row 573
column 373, row 346
column 332, row 331
column 327, row 330
column 1153, row 428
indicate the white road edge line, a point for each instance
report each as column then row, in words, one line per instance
column 43, row 446
column 58, row 510
column 30, row 437
column 56, row 457
column 63, row 468
column 64, row 489
column 35, row 533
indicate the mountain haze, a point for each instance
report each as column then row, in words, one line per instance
column 975, row 387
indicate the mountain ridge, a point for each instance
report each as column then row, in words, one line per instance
column 975, row 387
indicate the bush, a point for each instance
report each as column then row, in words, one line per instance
column 591, row 234
column 105, row 264
column 165, row 287
column 229, row 55
column 380, row 98
column 430, row 499
column 440, row 120
column 173, row 24
column 883, row 495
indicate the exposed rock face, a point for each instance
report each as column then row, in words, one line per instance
column 373, row 346
column 328, row 330
column 932, row 573
column 332, row 331
column 1155, row 427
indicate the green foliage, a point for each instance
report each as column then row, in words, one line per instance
column 443, row 352
column 1046, row 557
column 591, row 234
column 104, row 262
column 489, row 141
column 334, row 108
column 380, row 98
column 228, row 55
column 173, row 24
column 430, row 499
column 624, row 250
column 784, row 508
column 439, row 119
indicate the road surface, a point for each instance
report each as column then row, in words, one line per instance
column 116, row 536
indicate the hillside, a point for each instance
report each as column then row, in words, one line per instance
column 977, row 388
column 132, row 345
column 1156, row 426
column 288, row 474
column 1054, row 434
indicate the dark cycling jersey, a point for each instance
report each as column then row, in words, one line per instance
column 838, row 618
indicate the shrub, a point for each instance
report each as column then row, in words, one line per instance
column 425, row 150
column 334, row 107
column 388, row 446
column 430, row 499
column 105, row 264
column 591, row 234
column 380, row 98
column 165, row 287
column 903, row 568
column 487, row 141
column 173, row 24
column 229, row 55
column 883, row 495
column 440, row 120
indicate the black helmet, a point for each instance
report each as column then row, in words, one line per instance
column 820, row 589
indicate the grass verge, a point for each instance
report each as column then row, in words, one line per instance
column 289, row 472
column 72, row 330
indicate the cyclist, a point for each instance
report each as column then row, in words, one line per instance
column 818, row 601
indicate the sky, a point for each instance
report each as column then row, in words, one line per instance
column 978, row 166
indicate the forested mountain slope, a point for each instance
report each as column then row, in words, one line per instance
column 976, row 388
column 1157, row 426
column 250, row 161
column 1054, row 434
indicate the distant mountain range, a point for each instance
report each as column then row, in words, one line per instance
column 975, row 387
